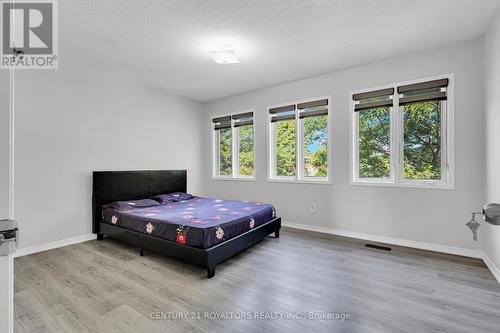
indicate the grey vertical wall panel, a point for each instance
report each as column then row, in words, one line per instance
column 4, row 144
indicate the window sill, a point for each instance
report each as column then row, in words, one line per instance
column 418, row 185
column 239, row 179
column 299, row 181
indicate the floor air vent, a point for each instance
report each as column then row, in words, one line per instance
column 378, row 247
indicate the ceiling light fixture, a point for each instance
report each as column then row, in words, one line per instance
column 224, row 55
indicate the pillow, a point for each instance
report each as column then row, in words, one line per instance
column 181, row 196
column 143, row 203
column 165, row 199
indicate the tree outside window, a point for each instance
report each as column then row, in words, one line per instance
column 225, row 152
column 246, row 150
column 285, row 148
column 316, row 146
column 374, row 143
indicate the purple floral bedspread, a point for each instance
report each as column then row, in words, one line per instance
column 199, row 222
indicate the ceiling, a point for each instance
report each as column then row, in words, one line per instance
column 166, row 43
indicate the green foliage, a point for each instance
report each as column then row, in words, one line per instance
column 374, row 143
column 246, row 150
column 225, row 148
column 285, row 148
column 316, row 146
column 422, row 140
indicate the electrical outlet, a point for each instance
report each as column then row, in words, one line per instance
column 313, row 208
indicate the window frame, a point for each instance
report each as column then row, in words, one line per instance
column 396, row 178
column 235, row 149
column 299, row 177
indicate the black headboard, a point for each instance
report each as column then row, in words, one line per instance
column 111, row 186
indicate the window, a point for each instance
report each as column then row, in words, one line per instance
column 422, row 140
column 245, row 147
column 233, row 146
column 299, row 142
column 225, row 154
column 285, row 148
column 374, row 134
column 402, row 135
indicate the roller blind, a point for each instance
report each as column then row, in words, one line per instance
column 282, row 113
column 282, row 109
column 373, row 99
column 313, row 108
column 306, row 109
column 423, row 85
column 435, row 90
column 222, row 122
column 240, row 119
column 243, row 119
column 313, row 104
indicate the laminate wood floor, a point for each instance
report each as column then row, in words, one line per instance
column 107, row 287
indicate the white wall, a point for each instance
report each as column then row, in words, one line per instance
column 425, row 215
column 6, row 262
column 491, row 234
column 74, row 120
column 4, row 143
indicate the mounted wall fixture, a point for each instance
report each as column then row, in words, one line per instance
column 491, row 214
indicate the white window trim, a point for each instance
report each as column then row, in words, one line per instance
column 299, row 178
column 235, row 176
column 396, row 178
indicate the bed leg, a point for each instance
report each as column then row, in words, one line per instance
column 277, row 234
column 141, row 252
column 100, row 237
column 210, row 272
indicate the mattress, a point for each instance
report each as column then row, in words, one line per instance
column 198, row 222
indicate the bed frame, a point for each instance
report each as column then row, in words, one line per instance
column 111, row 186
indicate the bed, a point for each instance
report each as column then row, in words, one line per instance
column 198, row 230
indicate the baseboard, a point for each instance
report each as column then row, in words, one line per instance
column 53, row 245
column 338, row 232
column 492, row 267
column 390, row 240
